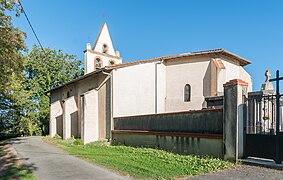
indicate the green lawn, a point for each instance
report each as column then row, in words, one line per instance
column 12, row 169
column 142, row 163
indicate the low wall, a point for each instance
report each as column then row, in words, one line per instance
column 180, row 143
column 193, row 132
column 201, row 121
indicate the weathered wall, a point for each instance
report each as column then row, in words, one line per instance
column 195, row 132
column 74, row 91
column 211, row 146
column 203, row 121
column 235, row 94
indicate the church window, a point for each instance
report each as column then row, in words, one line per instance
column 104, row 48
column 187, row 93
column 98, row 63
column 111, row 62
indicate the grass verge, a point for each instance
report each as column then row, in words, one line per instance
column 10, row 165
column 141, row 163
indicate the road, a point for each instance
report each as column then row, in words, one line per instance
column 241, row 172
column 48, row 162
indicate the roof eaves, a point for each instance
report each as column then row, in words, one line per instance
column 72, row 81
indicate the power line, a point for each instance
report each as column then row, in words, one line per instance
column 22, row 9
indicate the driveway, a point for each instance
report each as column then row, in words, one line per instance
column 48, row 162
column 242, row 172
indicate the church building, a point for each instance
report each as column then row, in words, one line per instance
column 85, row 107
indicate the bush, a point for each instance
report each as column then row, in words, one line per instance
column 78, row 142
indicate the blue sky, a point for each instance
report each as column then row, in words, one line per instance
column 143, row 29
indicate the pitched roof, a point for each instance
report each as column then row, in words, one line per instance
column 214, row 52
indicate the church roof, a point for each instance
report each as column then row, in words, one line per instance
column 215, row 52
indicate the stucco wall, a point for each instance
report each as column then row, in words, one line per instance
column 134, row 90
column 75, row 90
column 180, row 72
column 70, row 117
column 90, row 118
column 234, row 71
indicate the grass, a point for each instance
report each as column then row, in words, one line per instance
column 141, row 163
column 17, row 173
column 10, row 167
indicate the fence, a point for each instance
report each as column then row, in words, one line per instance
column 192, row 132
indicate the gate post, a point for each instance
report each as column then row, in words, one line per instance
column 235, row 93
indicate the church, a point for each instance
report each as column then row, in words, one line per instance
column 87, row 106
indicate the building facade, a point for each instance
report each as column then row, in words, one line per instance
column 85, row 107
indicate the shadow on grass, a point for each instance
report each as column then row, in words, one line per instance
column 11, row 166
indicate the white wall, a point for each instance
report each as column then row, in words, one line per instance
column 89, row 125
column 90, row 60
column 180, row 72
column 235, row 71
column 134, row 89
column 55, row 111
column 69, row 107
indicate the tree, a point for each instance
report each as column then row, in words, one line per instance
column 11, row 45
column 12, row 96
column 45, row 70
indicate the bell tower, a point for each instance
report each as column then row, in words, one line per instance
column 102, row 54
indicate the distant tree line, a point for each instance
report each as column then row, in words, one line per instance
column 25, row 76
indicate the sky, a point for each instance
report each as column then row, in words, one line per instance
column 143, row 29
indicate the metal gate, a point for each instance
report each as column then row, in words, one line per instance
column 264, row 128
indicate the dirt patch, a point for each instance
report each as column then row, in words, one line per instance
column 9, row 157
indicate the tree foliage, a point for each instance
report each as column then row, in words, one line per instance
column 44, row 71
column 24, row 108
column 11, row 45
column 12, row 94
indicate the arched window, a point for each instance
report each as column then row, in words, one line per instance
column 104, row 48
column 187, row 93
column 98, row 62
column 111, row 62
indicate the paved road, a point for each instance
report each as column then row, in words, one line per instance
column 242, row 172
column 48, row 162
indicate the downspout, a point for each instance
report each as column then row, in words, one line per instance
column 155, row 81
column 111, row 102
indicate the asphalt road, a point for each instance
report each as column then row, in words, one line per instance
column 242, row 172
column 48, row 162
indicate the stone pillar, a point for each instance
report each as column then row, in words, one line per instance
column 89, row 126
column 69, row 107
column 235, row 92
column 55, row 112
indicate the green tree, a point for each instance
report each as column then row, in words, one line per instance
column 12, row 94
column 45, row 70
column 11, row 45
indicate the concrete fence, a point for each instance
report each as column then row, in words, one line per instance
column 193, row 132
column 201, row 121
column 213, row 132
